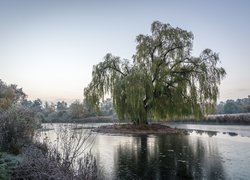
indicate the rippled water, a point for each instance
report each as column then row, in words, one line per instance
column 208, row 152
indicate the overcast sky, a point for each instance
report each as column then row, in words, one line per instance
column 48, row 47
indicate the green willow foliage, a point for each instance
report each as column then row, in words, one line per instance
column 163, row 81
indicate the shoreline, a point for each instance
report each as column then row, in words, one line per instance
column 225, row 119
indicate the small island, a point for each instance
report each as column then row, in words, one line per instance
column 137, row 129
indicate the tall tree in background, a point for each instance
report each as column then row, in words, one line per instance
column 164, row 80
column 10, row 94
column 37, row 105
column 61, row 106
column 76, row 109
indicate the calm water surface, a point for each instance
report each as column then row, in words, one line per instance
column 208, row 152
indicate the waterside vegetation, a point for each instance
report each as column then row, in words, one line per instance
column 22, row 156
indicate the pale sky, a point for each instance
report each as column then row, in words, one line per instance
column 48, row 47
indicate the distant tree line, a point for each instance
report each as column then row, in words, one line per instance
column 234, row 106
column 62, row 112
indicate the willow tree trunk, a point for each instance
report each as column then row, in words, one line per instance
column 142, row 118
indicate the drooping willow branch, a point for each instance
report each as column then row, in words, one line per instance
column 163, row 81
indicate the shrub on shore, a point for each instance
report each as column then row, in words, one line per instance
column 17, row 128
column 38, row 161
column 65, row 159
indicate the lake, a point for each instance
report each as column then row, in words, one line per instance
column 207, row 152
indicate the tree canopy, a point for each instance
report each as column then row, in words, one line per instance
column 9, row 94
column 163, row 80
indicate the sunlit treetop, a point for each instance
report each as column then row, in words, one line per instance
column 163, row 80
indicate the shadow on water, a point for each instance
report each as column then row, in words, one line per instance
column 168, row 157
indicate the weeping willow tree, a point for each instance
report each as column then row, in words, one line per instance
column 164, row 80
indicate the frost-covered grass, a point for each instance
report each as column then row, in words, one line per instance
column 8, row 163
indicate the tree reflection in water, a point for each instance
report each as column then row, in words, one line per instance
column 168, row 157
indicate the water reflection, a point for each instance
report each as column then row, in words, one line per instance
column 239, row 129
column 168, row 157
column 206, row 153
column 201, row 132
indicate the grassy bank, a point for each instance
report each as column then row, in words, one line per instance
column 226, row 119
